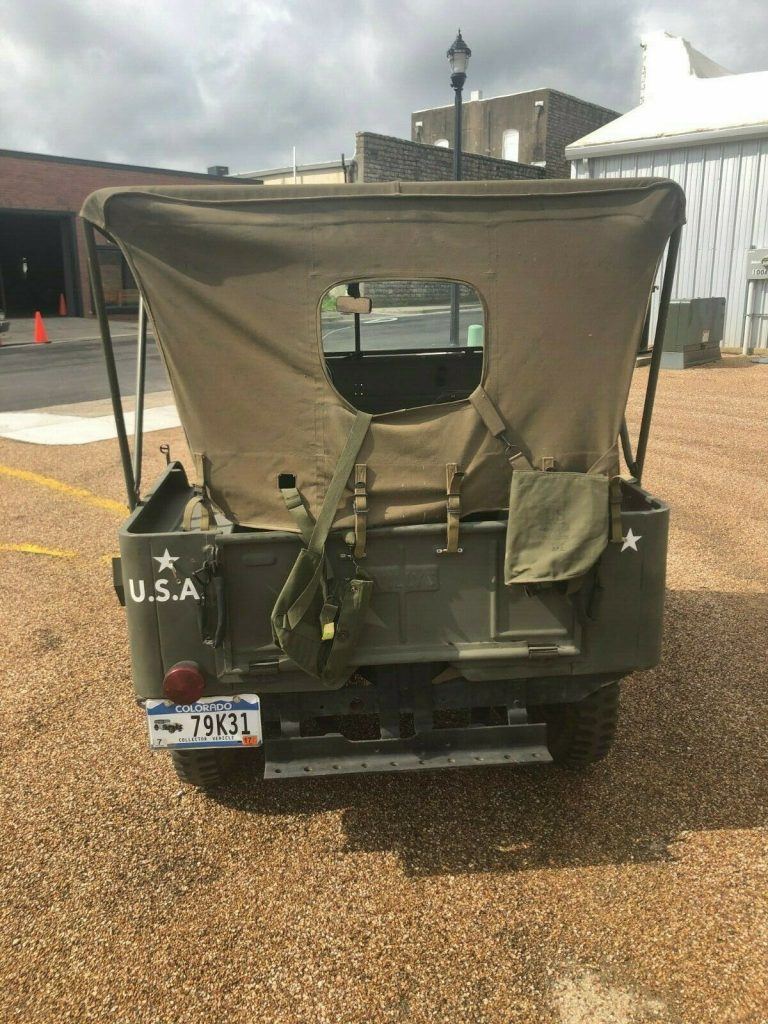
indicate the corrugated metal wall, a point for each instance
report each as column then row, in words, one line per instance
column 726, row 188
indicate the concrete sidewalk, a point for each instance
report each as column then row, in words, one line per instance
column 65, row 328
column 84, row 422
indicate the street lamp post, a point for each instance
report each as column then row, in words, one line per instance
column 458, row 56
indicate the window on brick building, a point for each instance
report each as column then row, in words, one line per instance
column 120, row 292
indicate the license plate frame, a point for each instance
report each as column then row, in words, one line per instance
column 233, row 721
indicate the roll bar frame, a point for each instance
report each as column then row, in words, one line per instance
column 636, row 461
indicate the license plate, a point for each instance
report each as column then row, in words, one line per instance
column 209, row 722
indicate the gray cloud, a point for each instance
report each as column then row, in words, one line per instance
column 188, row 83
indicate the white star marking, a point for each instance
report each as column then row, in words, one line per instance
column 166, row 560
column 630, row 541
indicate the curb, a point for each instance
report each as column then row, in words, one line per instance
column 60, row 341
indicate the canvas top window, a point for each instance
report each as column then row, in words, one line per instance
column 397, row 344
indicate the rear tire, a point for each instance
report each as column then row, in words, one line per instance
column 582, row 732
column 204, row 769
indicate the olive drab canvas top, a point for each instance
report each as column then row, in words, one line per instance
column 233, row 278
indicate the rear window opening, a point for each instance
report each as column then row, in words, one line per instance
column 399, row 344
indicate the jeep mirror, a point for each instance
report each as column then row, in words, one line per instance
column 350, row 304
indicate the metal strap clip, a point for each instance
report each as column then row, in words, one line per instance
column 514, row 453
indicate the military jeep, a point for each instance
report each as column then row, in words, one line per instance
column 405, row 539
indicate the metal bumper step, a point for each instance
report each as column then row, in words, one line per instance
column 333, row 754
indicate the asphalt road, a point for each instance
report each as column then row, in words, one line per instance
column 384, row 331
column 38, row 376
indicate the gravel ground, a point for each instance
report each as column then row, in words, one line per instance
column 633, row 893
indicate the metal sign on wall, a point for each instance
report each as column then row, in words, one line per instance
column 757, row 264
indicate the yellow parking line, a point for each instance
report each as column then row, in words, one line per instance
column 58, row 485
column 35, row 549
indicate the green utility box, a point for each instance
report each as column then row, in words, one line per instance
column 694, row 332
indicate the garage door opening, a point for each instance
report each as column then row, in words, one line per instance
column 35, row 263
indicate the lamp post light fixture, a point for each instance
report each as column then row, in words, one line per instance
column 458, row 56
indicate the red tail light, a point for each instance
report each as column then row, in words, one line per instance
column 183, row 683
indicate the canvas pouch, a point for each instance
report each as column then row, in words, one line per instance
column 317, row 626
column 558, row 525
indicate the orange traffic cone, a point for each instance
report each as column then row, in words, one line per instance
column 62, row 305
column 41, row 335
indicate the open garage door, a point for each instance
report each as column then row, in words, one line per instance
column 36, row 263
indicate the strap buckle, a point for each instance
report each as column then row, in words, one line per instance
column 360, row 508
column 511, row 450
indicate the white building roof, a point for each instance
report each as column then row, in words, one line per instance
column 328, row 165
column 685, row 99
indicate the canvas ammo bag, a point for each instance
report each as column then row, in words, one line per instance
column 317, row 619
column 560, row 523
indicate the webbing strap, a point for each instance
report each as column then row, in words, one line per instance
column 615, row 509
column 207, row 516
column 316, row 544
column 338, row 483
column 295, row 505
column 303, row 602
column 201, row 500
column 489, row 414
column 360, row 507
column 201, row 472
column 453, row 478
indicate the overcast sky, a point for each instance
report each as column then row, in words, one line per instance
column 188, row 83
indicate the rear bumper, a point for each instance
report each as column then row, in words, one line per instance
column 403, row 721
column 518, row 743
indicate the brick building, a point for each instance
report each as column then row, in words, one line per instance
column 42, row 247
column 385, row 158
column 530, row 127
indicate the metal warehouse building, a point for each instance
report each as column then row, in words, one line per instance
column 708, row 130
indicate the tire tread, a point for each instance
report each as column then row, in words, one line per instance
column 582, row 733
column 203, row 769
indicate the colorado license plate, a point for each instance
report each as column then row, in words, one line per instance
column 209, row 722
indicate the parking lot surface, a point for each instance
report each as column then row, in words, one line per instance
column 635, row 892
